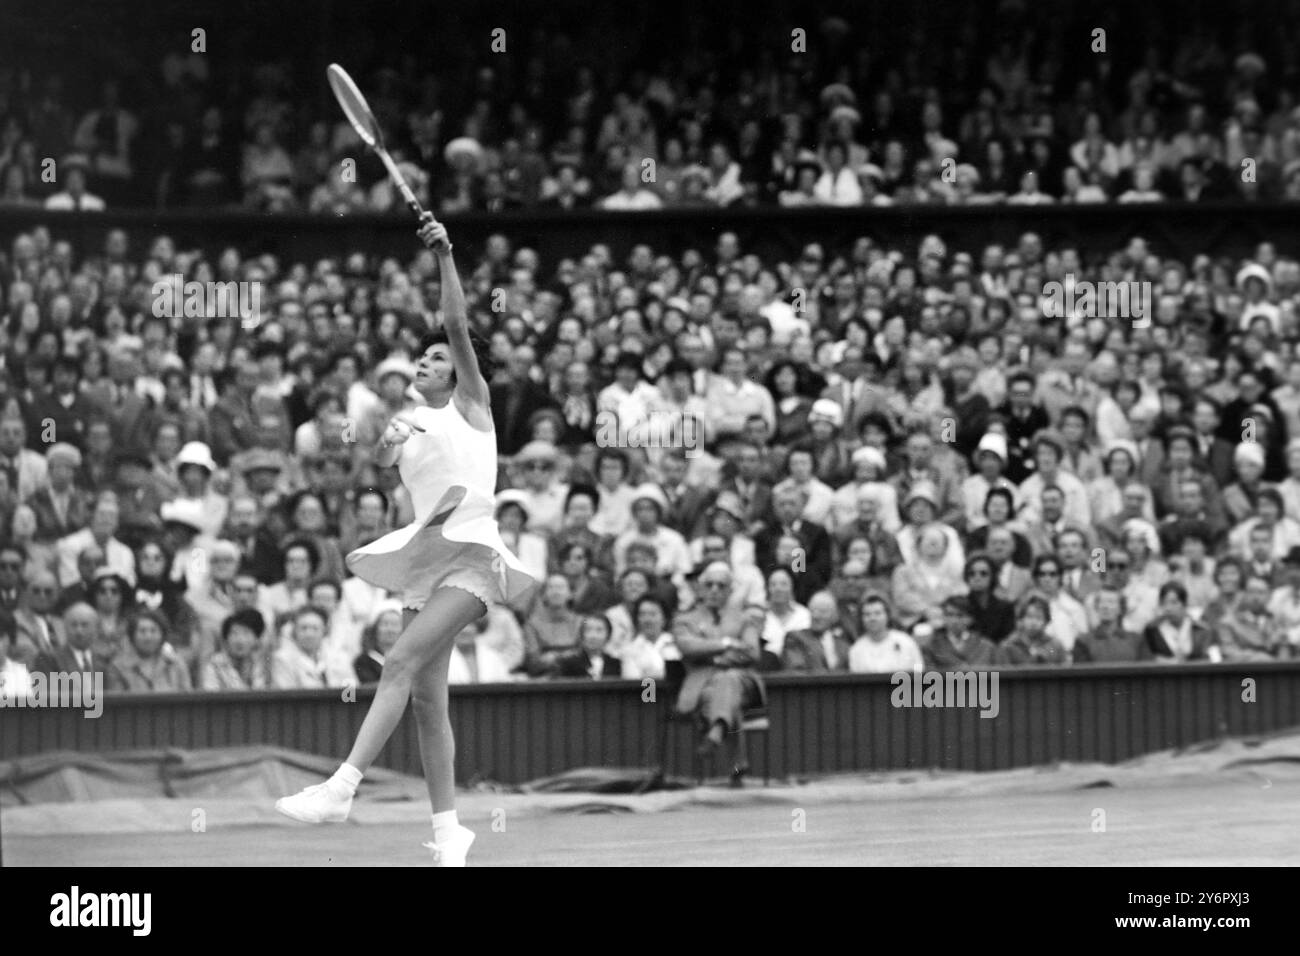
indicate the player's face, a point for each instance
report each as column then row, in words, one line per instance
column 434, row 371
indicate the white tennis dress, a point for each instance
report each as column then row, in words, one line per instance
column 450, row 470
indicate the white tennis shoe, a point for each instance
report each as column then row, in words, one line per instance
column 452, row 852
column 319, row 804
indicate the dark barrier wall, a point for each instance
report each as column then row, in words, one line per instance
column 1231, row 229
column 511, row 733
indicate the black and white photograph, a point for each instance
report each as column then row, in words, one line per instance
column 665, row 433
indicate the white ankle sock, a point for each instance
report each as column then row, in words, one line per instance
column 444, row 825
column 347, row 778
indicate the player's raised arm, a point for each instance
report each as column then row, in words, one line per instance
column 455, row 318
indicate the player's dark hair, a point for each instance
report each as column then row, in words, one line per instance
column 482, row 350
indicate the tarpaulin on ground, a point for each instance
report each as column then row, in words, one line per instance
column 253, row 773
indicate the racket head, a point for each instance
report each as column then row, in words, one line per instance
column 354, row 105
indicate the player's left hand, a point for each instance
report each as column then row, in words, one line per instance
column 434, row 234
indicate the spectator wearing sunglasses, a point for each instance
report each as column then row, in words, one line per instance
column 114, row 602
column 1141, row 600
column 543, row 493
column 1067, row 617
column 37, row 617
column 13, row 559
column 990, row 615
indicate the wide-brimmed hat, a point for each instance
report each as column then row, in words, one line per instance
column 395, row 366
column 1127, row 447
column 183, row 511
column 729, row 503
column 537, row 450
column 196, row 453
column 63, row 453
column 838, row 94
column 1250, row 451
column 846, row 112
column 262, row 459
column 870, row 455
column 1255, row 271
column 922, row 491
column 513, row 496
column 464, row 149
column 827, row 410
column 649, row 492
column 993, row 443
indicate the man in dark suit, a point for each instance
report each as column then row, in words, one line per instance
column 81, row 626
column 1023, row 419
column 13, row 558
column 65, row 407
column 815, row 560
column 1077, row 577
column 515, row 397
column 1193, row 511
column 687, row 504
column 824, row 646
column 261, row 555
column 747, row 480
column 1215, row 453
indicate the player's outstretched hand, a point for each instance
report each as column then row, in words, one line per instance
column 399, row 430
column 433, row 234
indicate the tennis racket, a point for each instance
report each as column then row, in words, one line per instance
column 363, row 121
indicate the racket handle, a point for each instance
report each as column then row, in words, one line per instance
column 400, row 181
column 412, row 203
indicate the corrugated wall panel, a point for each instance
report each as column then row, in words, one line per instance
column 513, row 734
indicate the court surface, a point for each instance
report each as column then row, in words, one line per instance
column 1242, row 820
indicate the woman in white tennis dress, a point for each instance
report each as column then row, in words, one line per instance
column 447, row 565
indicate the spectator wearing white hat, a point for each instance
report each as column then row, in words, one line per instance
column 921, row 510
column 927, row 577
column 868, row 480
column 990, row 461
column 183, row 528
column 195, row 467
column 544, row 493
column 1242, row 496
column 1256, row 284
column 649, row 505
column 831, row 452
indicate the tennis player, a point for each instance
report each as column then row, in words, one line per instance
column 447, row 566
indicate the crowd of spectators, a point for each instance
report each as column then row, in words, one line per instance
column 989, row 103
column 867, row 459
